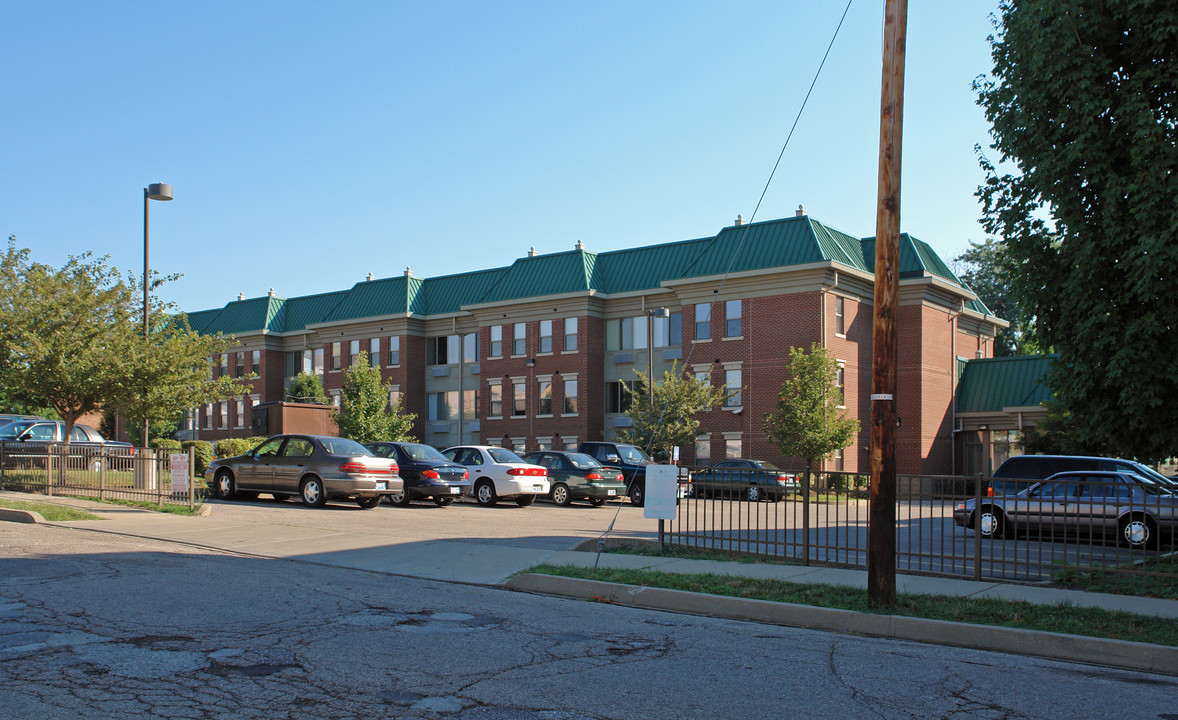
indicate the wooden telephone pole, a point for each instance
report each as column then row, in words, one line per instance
column 881, row 525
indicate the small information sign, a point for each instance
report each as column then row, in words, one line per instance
column 662, row 492
column 179, row 465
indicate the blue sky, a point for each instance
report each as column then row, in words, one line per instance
column 312, row 143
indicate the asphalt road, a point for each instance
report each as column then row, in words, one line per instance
column 102, row 626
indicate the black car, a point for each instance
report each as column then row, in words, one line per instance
column 751, row 479
column 630, row 459
column 27, row 442
column 426, row 472
column 1021, row 471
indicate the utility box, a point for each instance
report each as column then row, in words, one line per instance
column 277, row 418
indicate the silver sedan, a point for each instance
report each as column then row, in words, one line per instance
column 317, row 468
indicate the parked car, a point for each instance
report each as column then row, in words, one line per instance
column 499, row 473
column 7, row 418
column 576, row 476
column 630, row 459
column 1021, row 471
column 317, row 468
column 751, row 479
column 28, row 441
column 427, row 474
column 1094, row 502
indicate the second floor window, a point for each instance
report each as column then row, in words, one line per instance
column 495, row 395
column 337, row 350
column 496, row 349
column 618, row 396
column 394, row 350
column 374, row 352
column 732, row 324
column 256, row 362
column 239, row 364
column 318, row 361
column 353, row 353
column 732, row 380
column 519, row 339
column 545, row 389
column 545, row 336
column 570, row 397
column 840, row 322
column 519, row 403
column 441, row 350
column 703, row 321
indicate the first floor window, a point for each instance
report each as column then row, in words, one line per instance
column 240, row 419
column 209, row 416
column 224, row 421
column 703, row 449
column 732, row 446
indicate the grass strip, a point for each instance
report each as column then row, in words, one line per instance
column 148, row 505
column 1062, row 618
column 49, row 511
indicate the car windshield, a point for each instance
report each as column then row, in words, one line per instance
column 422, row 452
column 343, row 446
column 500, row 455
column 581, row 461
column 15, row 428
column 764, row 465
column 634, row 455
column 1153, row 476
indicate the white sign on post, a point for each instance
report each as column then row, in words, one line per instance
column 662, row 491
column 179, row 465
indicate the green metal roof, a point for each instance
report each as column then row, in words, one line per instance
column 991, row 384
column 756, row 246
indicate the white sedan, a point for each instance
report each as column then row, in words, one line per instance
column 496, row 473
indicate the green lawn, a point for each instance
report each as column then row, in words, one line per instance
column 49, row 511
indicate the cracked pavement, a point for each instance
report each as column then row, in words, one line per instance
column 100, row 626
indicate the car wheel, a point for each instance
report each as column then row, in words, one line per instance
column 484, row 493
column 596, row 502
column 525, row 500
column 561, row 495
column 224, row 485
column 399, row 499
column 637, row 496
column 1137, row 531
column 367, row 503
column 754, row 493
column 992, row 523
column 443, row 501
column 313, row 493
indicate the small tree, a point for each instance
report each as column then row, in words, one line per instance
column 669, row 420
column 810, row 422
column 307, row 388
column 365, row 414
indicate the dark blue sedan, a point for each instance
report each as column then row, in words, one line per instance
column 426, row 472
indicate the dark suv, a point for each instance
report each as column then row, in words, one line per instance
column 630, row 459
column 1021, row 471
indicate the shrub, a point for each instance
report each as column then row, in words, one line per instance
column 231, row 447
column 202, row 453
column 166, row 444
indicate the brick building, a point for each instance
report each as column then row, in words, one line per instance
column 540, row 353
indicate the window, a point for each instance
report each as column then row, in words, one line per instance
column 519, row 339
column 318, row 361
column 545, row 388
column 675, row 329
column 336, row 397
column 239, row 420
column 353, row 353
column 209, row 416
column 703, row 449
column 224, row 360
column 570, row 334
column 336, row 351
column 440, row 406
column 840, row 377
column 437, row 350
column 496, row 400
column 570, row 397
column 704, row 377
column 569, row 442
column 470, row 348
column 239, row 364
column 256, row 362
column 545, row 336
column 545, row 444
column 470, row 404
column 223, row 423
column 394, row 349
column 496, row 349
column 394, row 395
column 838, row 460
column 732, row 324
column 660, row 330
column 703, row 322
column 619, row 395
column 732, row 381
column 840, row 327
column 519, row 404
column 732, row 445
column 374, row 352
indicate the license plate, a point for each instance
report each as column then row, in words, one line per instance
column 380, row 486
column 455, row 490
column 538, row 488
column 613, row 492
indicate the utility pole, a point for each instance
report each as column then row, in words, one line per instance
column 881, row 525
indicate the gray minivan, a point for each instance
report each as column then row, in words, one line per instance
column 1021, row 471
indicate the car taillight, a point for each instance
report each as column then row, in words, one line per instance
column 782, row 479
column 431, row 474
column 353, row 467
column 359, row 467
column 593, row 476
column 989, row 492
column 465, row 475
column 528, row 471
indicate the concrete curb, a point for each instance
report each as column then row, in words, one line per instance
column 1071, row 648
column 20, row 516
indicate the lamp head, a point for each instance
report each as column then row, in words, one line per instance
column 159, row 191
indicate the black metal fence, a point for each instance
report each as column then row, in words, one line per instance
column 120, row 473
column 1091, row 533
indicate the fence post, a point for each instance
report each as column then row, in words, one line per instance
column 191, row 479
column 103, row 458
column 806, row 517
column 158, row 460
column 977, row 528
column 49, row 471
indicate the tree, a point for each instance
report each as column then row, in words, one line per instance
column 70, row 341
column 988, row 271
column 307, row 388
column 810, row 422
column 670, row 420
column 365, row 414
column 1082, row 104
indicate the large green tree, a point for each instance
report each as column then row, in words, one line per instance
column 987, row 269
column 71, row 339
column 1083, row 100
column 307, row 388
column 669, row 420
column 365, row 414
column 810, row 421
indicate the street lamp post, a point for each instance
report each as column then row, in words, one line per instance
column 154, row 191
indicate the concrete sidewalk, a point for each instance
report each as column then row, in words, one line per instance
column 501, row 562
